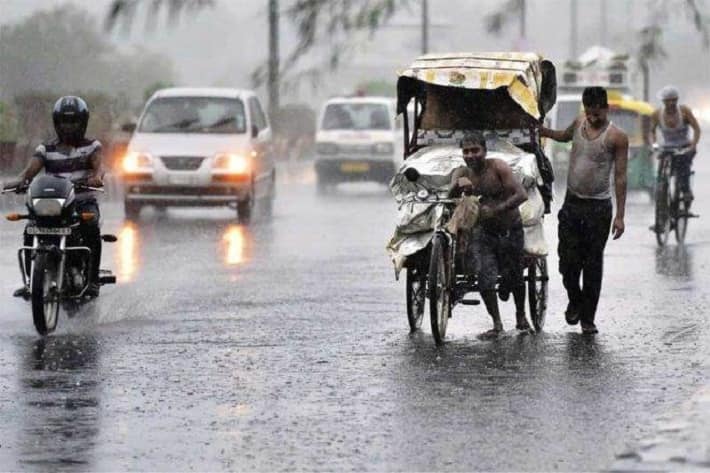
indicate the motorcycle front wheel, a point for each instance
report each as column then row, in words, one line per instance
column 44, row 294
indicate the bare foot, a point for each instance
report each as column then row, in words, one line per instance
column 491, row 334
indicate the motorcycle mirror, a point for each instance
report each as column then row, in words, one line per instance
column 108, row 238
column 411, row 174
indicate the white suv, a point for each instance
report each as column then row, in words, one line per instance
column 200, row 146
column 357, row 140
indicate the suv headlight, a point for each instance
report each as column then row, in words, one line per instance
column 232, row 163
column 326, row 148
column 383, row 148
column 48, row 207
column 135, row 162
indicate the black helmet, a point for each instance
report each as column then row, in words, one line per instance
column 70, row 116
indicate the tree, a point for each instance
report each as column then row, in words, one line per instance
column 508, row 11
column 650, row 37
column 317, row 22
column 61, row 51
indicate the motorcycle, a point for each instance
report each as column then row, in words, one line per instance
column 56, row 268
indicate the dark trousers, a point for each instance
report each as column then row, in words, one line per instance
column 682, row 167
column 583, row 231
column 90, row 233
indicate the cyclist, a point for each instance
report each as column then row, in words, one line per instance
column 675, row 122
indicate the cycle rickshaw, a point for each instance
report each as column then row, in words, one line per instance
column 504, row 95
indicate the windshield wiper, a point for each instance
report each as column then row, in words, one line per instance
column 178, row 125
column 221, row 122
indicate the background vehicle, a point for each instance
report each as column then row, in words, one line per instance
column 356, row 140
column 452, row 94
column 200, row 147
column 57, row 264
column 566, row 109
column 672, row 210
column 634, row 117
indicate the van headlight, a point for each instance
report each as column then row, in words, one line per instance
column 383, row 148
column 48, row 207
column 231, row 163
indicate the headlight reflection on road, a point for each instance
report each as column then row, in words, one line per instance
column 235, row 240
column 127, row 253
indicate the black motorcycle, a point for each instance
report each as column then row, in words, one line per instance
column 56, row 268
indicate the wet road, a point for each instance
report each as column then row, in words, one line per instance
column 284, row 345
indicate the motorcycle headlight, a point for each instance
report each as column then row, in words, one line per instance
column 48, row 207
column 383, row 148
column 423, row 194
column 326, row 148
column 135, row 162
column 231, row 163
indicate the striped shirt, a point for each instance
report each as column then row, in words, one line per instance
column 69, row 162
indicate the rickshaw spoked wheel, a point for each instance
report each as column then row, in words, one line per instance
column 438, row 285
column 416, row 295
column 537, row 291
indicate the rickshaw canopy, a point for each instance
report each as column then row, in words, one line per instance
column 479, row 90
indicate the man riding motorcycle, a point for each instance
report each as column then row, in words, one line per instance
column 72, row 156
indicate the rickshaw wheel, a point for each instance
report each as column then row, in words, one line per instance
column 439, row 297
column 416, row 296
column 537, row 291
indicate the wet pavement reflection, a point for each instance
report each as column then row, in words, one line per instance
column 283, row 345
column 59, row 388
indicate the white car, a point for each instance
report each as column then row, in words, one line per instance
column 357, row 139
column 199, row 147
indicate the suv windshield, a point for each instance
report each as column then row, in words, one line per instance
column 194, row 115
column 356, row 116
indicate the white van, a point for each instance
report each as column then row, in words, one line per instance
column 199, row 147
column 357, row 139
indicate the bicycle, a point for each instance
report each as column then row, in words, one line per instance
column 672, row 210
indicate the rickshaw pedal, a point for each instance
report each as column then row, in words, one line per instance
column 470, row 302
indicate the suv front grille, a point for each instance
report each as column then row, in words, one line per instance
column 182, row 163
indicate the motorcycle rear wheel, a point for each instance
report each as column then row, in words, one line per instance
column 44, row 294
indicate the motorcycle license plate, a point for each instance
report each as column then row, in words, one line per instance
column 355, row 167
column 49, row 231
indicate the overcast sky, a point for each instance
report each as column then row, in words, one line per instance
column 221, row 46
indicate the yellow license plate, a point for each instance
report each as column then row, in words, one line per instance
column 355, row 167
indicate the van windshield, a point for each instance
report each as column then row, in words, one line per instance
column 194, row 115
column 356, row 116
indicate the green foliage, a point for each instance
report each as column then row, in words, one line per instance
column 328, row 22
column 62, row 50
column 34, row 114
column 8, row 124
column 508, row 11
